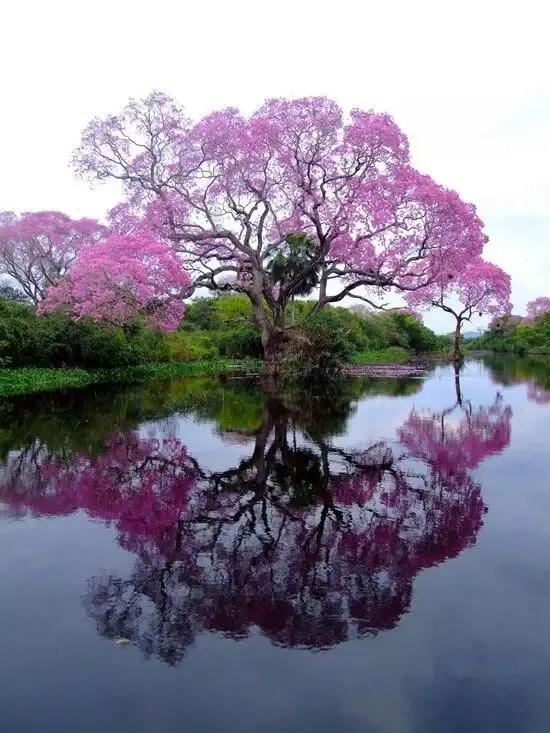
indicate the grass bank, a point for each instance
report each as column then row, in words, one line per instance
column 398, row 356
column 36, row 379
column 29, row 380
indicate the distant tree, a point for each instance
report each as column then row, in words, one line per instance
column 504, row 324
column 37, row 248
column 480, row 287
column 538, row 307
column 200, row 315
column 10, row 293
column 400, row 311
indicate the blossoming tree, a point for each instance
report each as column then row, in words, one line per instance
column 479, row 287
column 227, row 192
column 37, row 248
column 538, row 307
column 120, row 277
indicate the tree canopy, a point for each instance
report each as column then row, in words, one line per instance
column 228, row 193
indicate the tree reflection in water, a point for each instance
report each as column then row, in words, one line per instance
column 309, row 542
column 534, row 370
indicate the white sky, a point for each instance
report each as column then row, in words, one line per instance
column 468, row 82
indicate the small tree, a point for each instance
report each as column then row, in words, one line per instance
column 37, row 248
column 480, row 287
column 7, row 292
column 116, row 279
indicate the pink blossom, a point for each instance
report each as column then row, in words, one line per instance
column 38, row 248
column 538, row 307
column 476, row 286
column 479, row 286
column 123, row 275
column 454, row 444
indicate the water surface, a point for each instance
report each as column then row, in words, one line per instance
column 202, row 555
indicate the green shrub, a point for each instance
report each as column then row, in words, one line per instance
column 200, row 315
column 411, row 334
column 232, row 311
column 191, row 346
column 214, row 327
column 516, row 336
column 57, row 341
column 29, row 380
column 337, row 328
column 243, row 341
column 316, row 354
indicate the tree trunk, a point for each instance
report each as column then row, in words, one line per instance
column 457, row 352
column 272, row 331
column 273, row 350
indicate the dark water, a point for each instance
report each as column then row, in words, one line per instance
column 198, row 555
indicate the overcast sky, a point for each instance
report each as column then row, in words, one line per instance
column 468, row 82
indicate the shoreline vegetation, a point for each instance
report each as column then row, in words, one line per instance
column 217, row 336
column 387, row 363
column 30, row 380
column 15, row 382
column 513, row 334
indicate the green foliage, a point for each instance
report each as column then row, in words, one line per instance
column 217, row 327
column 369, row 330
column 232, row 310
column 200, row 314
column 57, row 341
column 225, row 326
column 516, row 336
column 184, row 346
column 342, row 326
column 241, row 342
column 336, row 335
column 218, row 313
column 320, row 342
column 318, row 352
column 292, row 259
column 411, row 333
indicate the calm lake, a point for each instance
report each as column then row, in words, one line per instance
column 198, row 555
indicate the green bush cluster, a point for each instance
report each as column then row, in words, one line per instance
column 364, row 331
column 57, row 341
column 228, row 321
column 516, row 336
column 213, row 328
column 317, row 353
column 326, row 340
column 221, row 326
